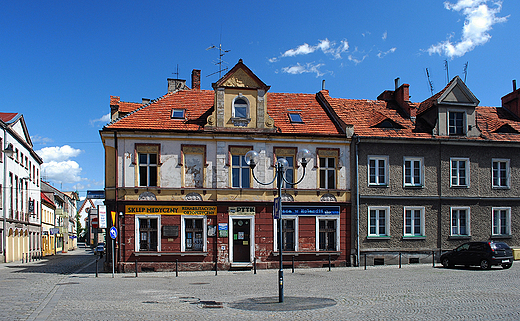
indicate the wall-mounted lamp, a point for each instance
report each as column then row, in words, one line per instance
column 9, row 151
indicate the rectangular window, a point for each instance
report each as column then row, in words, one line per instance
column 414, row 221
column 413, row 172
column 194, row 234
column 240, row 175
column 178, row 113
column 378, row 221
column 288, row 235
column 148, row 234
column 501, row 221
column 147, row 169
column 460, row 221
column 456, row 123
column 500, row 173
column 328, row 234
column 377, row 170
column 459, row 168
column 289, row 172
column 328, row 172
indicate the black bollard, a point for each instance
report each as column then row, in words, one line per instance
column 329, row 262
column 136, row 267
column 176, row 267
column 97, row 267
column 365, row 261
column 399, row 259
column 293, row 264
column 433, row 258
column 254, row 265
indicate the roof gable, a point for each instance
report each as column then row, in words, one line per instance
column 457, row 93
column 240, row 76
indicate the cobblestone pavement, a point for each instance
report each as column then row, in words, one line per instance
column 65, row 287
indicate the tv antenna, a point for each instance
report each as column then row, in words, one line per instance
column 465, row 71
column 220, row 61
column 176, row 73
column 447, row 71
column 430, row 83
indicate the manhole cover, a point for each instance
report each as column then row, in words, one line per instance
column 289, row 304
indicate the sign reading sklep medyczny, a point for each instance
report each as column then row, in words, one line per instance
column 170, row 210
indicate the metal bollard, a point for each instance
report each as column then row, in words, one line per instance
column 216, row 268
column 97, row 267
column 176, row 267
column 433, row 258
column 254, row 265
column 399, row 259
column 329, row 262
column 293, row 264
column 136, row 269
column 365, row 261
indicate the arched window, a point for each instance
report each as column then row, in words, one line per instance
column 241, row 107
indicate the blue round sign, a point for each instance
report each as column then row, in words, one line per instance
column 113, row 232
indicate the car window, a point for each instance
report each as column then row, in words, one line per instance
column 463, row 247
column 499, row 246
column 477, row 247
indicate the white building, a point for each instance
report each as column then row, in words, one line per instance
column 20, row 230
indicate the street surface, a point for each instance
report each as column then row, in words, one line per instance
column 65, row 287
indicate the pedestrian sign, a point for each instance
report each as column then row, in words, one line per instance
column 113, row 233
column 276, row 208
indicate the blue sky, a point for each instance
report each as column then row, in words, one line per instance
column 61, row 60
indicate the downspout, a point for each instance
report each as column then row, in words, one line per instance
column 4, row 205
column 358, row 140
column 116, row 207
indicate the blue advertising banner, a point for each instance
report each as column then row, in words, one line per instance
column 310, row 210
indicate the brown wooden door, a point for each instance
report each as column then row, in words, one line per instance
column 241, row 240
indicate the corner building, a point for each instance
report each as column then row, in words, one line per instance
column 178, row 188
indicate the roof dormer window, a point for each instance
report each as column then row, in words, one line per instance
column 456, row 123
column 240, row 107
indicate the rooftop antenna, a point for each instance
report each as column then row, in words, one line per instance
column 430, row 83
column 219, row 62
column 176, row 73
column 465, row 71
column 447, row 71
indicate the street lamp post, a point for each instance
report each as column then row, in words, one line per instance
column 251, row 158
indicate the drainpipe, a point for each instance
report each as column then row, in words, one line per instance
column 116, row 208
column 4, row 219
column 358, row 140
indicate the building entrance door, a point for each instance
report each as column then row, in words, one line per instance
column 241, row 240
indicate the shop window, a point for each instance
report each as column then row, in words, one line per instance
column 194, row 232
column 148, row 234
column 328, row 234
column 288, row 235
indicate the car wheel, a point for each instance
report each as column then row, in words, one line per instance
column 485, row 265
column 507, row 266
column 446, row 262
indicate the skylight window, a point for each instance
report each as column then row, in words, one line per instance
column 295, row 118
column 178, row 113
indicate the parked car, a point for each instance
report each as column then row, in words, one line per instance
column 100, row 249
column 482, row 254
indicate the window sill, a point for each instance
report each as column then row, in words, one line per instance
column 500, row 187
column 298, row 253
column 376, row 237
column 377, row 185
column 414, row 237
column 459, row 186
column 171, row 253
column 459, row 237
column 505, row 236
column 413, row 186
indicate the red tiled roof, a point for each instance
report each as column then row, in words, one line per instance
column 7, row 117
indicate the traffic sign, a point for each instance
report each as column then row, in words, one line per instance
column 95, row 223
column 276, row 208
column 113, row 233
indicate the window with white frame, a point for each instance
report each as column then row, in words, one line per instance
column 413, row 172
column 240, row 107
column 456, row 123
column 240, row 171
column 147, row 169
column 459, row 169
column 328, row 162
column 148, row 233
column 378, row 170
column 500, row 173
column 460, row 221
column 501, row 221
column 378, row 221
column 193, row 233
column 289, row 229
column 414, row 221
column 328, row 233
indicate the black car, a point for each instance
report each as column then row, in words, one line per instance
column 483, row 254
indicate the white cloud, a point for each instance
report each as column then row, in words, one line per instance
column 37, row 139
column 381, row 54
column 326, row 46
column 307, row 68
column 479, row 21
column 385, row 35
column 356, row 60
column 58, row 154
column 104, row 120
column 61, row 172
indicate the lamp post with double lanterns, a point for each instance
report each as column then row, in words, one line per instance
column 251, row 159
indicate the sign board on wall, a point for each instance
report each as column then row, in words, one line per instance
column 102, row 215
column 170, row 210
column 310, row 210
column 241, row 210
column 222, row 229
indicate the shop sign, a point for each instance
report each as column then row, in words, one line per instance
column 222, row 230
column 310, row 210
column 170, row 210
column 241, row 210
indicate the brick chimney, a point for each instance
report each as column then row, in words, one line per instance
column 511, row 101
column 195, row 79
